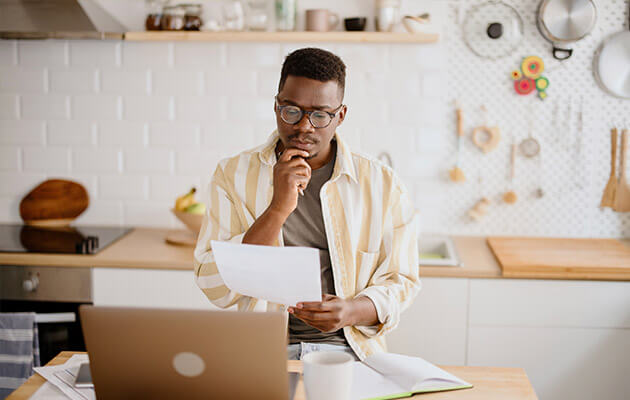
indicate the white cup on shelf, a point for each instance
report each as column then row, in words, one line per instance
column 328, row 375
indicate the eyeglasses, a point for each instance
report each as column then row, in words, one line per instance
column 294, row 114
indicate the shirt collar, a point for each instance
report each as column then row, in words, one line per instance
column 343, row 163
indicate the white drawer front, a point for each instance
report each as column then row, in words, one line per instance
column 519, row 302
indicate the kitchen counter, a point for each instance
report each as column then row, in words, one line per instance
column 146, row 248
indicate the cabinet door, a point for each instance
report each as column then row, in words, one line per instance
column 571, row 337
column 561, row 363
column 434, row 326
column 147, row 288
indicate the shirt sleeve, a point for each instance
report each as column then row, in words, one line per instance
column 220, row 222
column 396, row 281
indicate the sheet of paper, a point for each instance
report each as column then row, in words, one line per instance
column 283, row 275
column 61, row 376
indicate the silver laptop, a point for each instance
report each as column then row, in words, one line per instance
column 138, row 353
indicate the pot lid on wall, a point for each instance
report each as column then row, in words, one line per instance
column 493, row 29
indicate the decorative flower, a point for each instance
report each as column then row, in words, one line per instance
column 516, row 74
column 524, row 86
column 532, row 67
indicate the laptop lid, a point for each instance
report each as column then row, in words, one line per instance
column 194, row 354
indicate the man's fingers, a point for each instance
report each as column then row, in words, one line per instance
column 287, row 154
column 314, row 316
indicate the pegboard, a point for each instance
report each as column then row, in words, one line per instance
column 573, row 166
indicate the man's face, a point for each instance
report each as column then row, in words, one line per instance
column 309, row 95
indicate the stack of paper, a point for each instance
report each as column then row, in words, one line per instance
column 390, row 376
column 60, row 381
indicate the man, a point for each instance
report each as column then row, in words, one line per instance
column 305, row 188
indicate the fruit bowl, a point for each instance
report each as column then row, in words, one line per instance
column 192, row 221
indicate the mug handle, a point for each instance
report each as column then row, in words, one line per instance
column 335, row 22
column 561, row 54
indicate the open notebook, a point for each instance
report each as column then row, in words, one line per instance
column 391, row 376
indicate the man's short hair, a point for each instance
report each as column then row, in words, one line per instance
column 314, row 63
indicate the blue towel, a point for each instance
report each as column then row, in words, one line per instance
column 19, row 350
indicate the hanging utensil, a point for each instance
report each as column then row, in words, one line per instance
column 493, row 29
column 510, row 197
column 456, row 173
column 611, row 64
column 529, row 147
column 608, row 198
column 564, row 22
column 622, row 194
column 486, row 137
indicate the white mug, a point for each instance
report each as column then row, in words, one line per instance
column 328, row 375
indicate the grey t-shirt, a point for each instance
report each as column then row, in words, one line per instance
column 305, row 227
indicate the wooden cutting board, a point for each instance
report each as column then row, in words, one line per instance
column 552, row 258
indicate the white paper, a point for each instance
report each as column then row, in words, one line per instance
column 62, row 377
column 283, row 275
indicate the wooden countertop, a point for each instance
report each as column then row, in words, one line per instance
column 489, row 383
column 147, row 248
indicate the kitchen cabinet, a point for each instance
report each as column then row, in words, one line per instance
column 147, row 288
column 434, row 327
column 571, row 337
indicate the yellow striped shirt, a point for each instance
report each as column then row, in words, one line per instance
column 370, row 225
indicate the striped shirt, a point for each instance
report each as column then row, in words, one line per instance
column 370, row 224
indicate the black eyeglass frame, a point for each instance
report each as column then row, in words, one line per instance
column 332, row 115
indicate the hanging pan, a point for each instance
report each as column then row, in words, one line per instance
column 564, row 22
column 611, row 64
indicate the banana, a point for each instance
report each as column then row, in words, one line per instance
column 186, row 200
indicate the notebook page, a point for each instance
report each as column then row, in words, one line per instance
column 367, row 383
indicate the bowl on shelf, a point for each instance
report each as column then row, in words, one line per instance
column 355, row 24
column 192, row 221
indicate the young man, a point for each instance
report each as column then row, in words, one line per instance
column 305, row 188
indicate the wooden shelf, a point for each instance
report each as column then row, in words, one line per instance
column 349, row 37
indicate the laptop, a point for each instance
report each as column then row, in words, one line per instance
column 146, row 353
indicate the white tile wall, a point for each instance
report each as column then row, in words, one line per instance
column 141, row 122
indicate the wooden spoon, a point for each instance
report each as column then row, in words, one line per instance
column 608, row 198
column 622, row 195
column 456, row 173
column 510, row 197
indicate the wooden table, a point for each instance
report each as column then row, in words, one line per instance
column 489, row 383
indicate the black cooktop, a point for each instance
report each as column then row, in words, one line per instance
column 67, row 240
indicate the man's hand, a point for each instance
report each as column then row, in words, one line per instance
column 290, row 174
column 333, row 313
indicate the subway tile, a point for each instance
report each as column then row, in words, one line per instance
column 19, row 184
column 9, row 158
column 201, row 163
column 95, row 107
column 147, row 108
column 242, row 55
column 368, row 57
column 95, row 160
column 70, row 133
column 45, row 159
column 170, row 134
column 200, row 108
column 22, row 132
column 251, row 110
column 267, row 80
column 404, row 57
column 8, row 106
column 434, row 84
column 72, row 81
column 177, row 82
column 102, row 212
column 232, row 82
column 94, row 53
column 8, row 52
column 50, row 106
column 121, row 133
column 148, row 160
column 168, row 188
column 124, row 82
column 149, row 213
column 122, row 187
column 199, row 55
column 137, row 55
column 233, row 138
column 44, row 53
column 22, row 80
column 10, row 210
